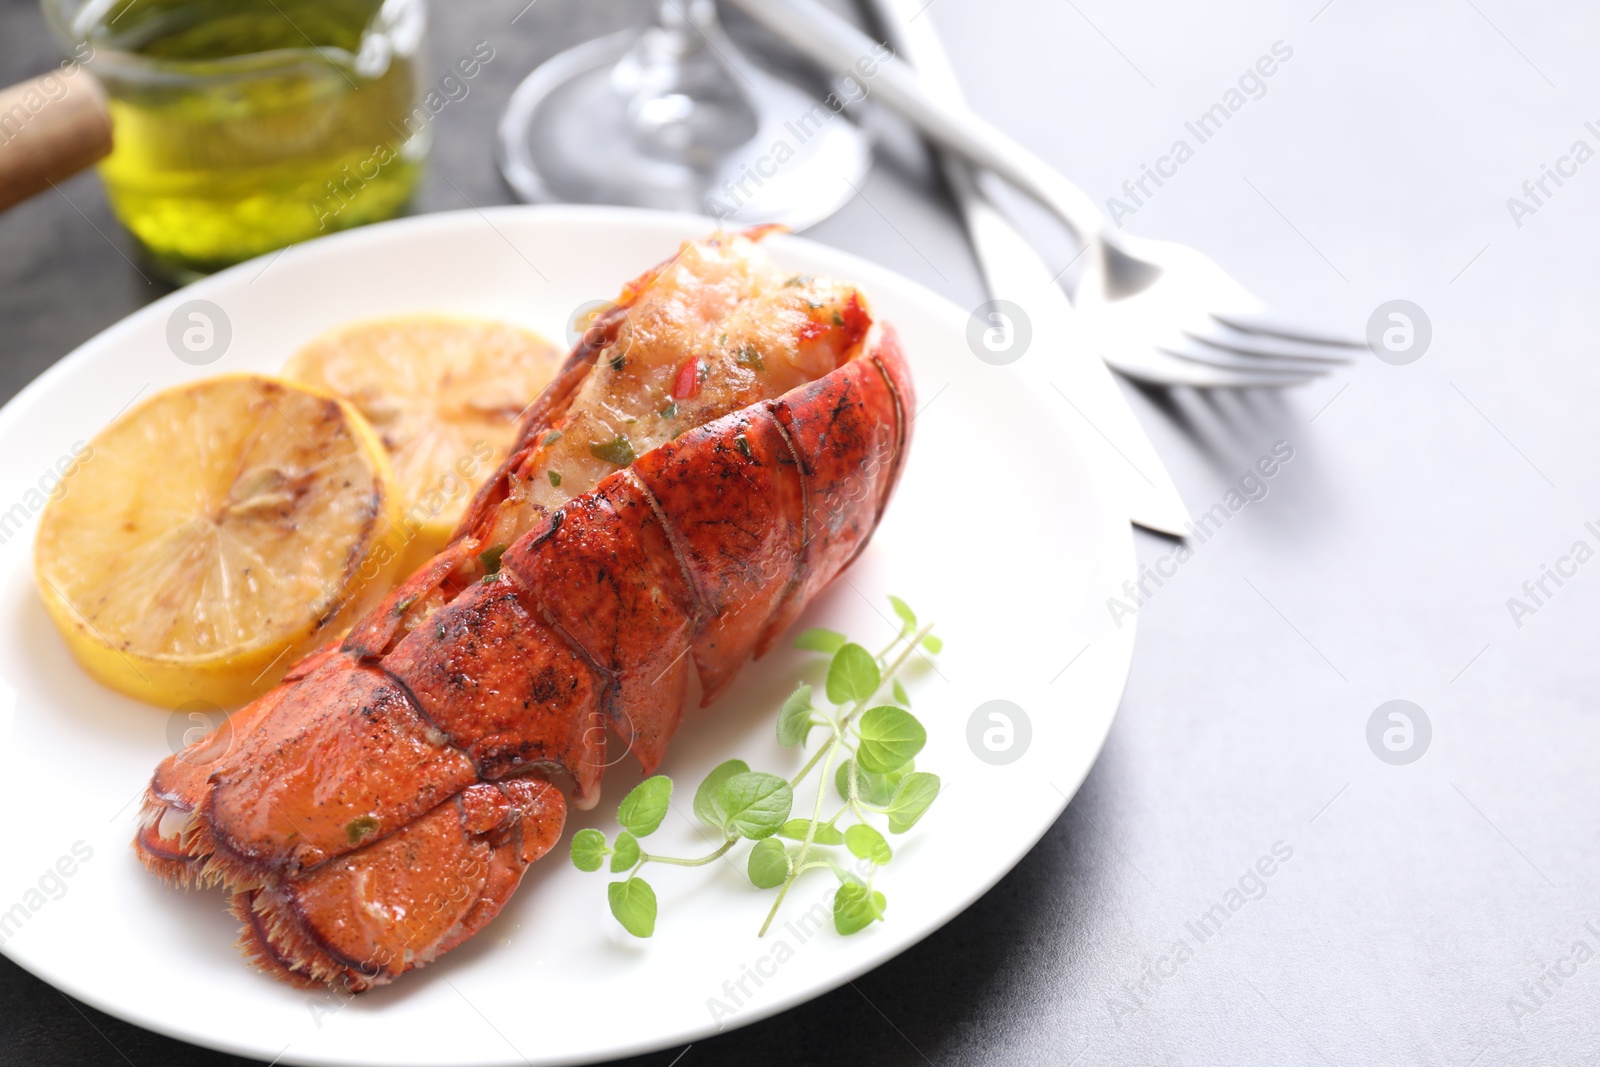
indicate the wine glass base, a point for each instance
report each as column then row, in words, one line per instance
column 565, row 138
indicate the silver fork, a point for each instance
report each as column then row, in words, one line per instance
column 1167, row 314
column 1163, row 313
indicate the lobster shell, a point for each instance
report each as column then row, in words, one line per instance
column 381, row 804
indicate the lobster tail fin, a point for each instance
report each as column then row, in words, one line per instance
column 364, row 918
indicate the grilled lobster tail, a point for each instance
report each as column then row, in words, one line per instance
column 381, row 805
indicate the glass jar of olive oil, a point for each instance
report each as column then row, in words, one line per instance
column 242, row 126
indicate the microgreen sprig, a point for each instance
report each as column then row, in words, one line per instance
column 874, row 745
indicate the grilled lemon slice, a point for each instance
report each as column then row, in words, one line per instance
column 444, row 395
column 221, row 530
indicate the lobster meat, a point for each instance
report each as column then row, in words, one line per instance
column 717, row 447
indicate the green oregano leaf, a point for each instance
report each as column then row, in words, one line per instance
column 875, row 789
column 707, row 804
column 794, row 720
column 908, row 618
column 890, row 738
column 633, row 903
column 588, row 850
column 757, row 804
column 868, row 844
column 645, row 806
column 769, row 864
column 820, row 640
column 625, row 854
column 911, row 799
column 900, row 693
column 855, row 907
column 853, row 675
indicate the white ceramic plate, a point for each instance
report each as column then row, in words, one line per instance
column 998, row 533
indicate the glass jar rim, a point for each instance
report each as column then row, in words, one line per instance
column 404, row 18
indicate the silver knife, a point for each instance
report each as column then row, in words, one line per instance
column 1014, row 272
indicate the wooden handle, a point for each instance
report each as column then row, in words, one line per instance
column 50, row 128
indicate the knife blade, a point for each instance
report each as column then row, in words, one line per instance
column 1013, row 271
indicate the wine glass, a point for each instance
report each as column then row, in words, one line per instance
column 677, row 118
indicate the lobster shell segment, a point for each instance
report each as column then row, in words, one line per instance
column 382, row 804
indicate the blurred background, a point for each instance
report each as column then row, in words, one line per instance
column 456, row 159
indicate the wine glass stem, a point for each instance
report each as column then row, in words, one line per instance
column 685, row 18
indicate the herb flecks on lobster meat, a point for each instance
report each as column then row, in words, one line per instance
column 715, row 450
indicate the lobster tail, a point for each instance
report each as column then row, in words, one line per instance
column 381, row 805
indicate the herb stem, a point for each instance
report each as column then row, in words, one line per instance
column 722, row 850
column 833, row 747
column 778, row 903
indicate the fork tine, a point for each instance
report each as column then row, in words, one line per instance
column 1167, row 372
column 1257, row 346
column 1266, row 325
column 1190, row 351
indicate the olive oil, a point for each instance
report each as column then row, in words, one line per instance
column 242, row 126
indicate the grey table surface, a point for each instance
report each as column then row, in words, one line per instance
column 1441, row 912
